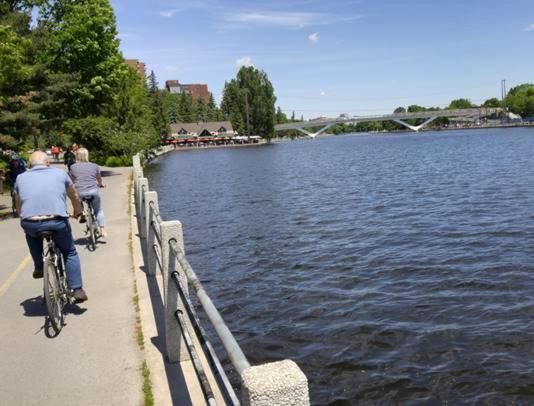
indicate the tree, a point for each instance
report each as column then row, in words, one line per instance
column 84, row 41
column 201, row 110
column 399, row 110
column 281, row 118
column 160, row 120
column 493, row 102
column 186, row 107
column 251, row 93
column 520, row 100
column 174, row 112
column 461, row 104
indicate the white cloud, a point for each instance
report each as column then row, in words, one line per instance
column 314, row 38
column 287, row 19
column 169, row 13
column 530, row 27
column 322, row 93
column 243, row 61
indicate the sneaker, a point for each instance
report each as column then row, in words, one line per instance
column 103, row 233
column 79, row 295
column 82, row 219
column 37, row 273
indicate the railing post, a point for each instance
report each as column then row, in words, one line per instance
column 152, row 262
column 141, row 215
column 136, row 161
column 275, row 383
column 174, row 341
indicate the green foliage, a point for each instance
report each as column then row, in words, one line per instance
column 281, row 118
column 461, row 104
column 84, row 41
column 251, row 88
column 114, row 161
column 160, row 120
column 520, row 100
column 493, row 102
column 14, row 70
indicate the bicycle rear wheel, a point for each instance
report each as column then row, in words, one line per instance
column 52, row 292
column 91, row 236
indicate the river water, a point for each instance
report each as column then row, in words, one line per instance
column 391, row 268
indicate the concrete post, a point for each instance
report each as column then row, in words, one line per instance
column 141, row 215
column 174, row 342
column 152, row 262
column 136, row 161
column 277, row 383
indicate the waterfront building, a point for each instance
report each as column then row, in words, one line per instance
column 196, row 90
column 138, row 66
column 207, row 129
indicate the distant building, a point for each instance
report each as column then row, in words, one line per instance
column 138, row 66
column 196, row 89
column 208, row 129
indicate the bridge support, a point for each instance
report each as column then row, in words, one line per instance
column 415, row 128
column 313, row 135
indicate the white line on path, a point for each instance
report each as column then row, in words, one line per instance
column 13, row 276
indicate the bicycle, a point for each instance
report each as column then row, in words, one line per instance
column 91, row 226
column 56, row 293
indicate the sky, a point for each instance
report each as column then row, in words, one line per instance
column 327, row 57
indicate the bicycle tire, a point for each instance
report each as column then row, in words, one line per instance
column 52, row 292
column 91, row 237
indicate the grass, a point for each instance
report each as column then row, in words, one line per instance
column 147, row 385
column 140, row 338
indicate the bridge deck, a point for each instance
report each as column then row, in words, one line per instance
column 96, row 359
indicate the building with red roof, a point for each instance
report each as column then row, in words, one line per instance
column 196, row 90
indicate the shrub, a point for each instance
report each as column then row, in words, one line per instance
column 114, row 161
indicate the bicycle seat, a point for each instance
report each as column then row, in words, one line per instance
column 46, row 234
column 88, row 199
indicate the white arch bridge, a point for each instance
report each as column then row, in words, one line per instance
column 324, row 124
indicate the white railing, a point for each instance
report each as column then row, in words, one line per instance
column 276, row 383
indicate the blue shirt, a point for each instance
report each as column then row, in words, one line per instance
column 43, row 191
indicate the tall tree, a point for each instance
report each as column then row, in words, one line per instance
column 251, row 94
column 84, row 41
column 201, row 110
column 160, row 120
column 187, row 109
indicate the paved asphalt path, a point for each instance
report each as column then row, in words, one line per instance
column 95, row 360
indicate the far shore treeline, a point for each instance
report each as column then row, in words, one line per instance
column 63, row 79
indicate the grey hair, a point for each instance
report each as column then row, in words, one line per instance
column 82, row 155
column 38, row 158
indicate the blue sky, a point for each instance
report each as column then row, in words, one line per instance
column 339, row 56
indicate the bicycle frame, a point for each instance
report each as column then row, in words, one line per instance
column 51, row 251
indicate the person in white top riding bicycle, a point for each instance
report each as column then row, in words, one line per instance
column 87, row 179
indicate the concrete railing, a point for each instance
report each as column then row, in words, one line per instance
column 276, row 383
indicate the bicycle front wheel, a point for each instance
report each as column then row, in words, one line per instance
column 52, row 294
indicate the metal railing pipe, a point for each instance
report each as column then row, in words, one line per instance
column 236, row 355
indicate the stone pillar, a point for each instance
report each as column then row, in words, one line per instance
column 142, row 188
column 152, row 262
column 277, row 383
column 174, row 342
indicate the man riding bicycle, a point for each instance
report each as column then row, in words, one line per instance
column 41, row 198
